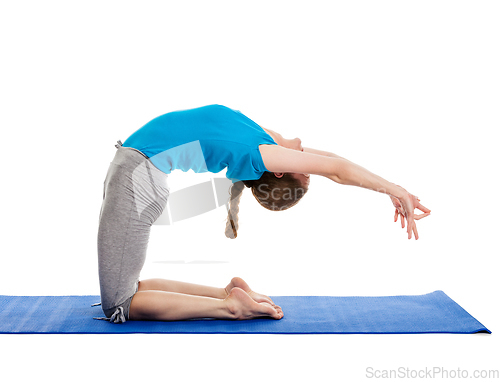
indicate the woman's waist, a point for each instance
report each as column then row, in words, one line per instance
column 138, row 163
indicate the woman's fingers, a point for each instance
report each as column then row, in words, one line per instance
column 415, row 230
column 407, row 212
column 418, row 217
column 414, row 225
column 422, row 208
column 397, row 214
column 410, row 223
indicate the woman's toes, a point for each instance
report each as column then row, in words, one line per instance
column 270, row 311
column 243, row 307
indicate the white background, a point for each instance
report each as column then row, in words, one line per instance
column 408, row 90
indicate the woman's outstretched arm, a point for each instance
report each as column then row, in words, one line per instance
column 338, row 169
column 342, row 171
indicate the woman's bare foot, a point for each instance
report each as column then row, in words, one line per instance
column 238, row 282
column 243, row 307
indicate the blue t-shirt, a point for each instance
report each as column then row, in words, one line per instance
column 208, row 138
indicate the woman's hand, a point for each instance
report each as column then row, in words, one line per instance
column 404, row 208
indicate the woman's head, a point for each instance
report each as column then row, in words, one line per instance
column 278, row 191
column 273, row 191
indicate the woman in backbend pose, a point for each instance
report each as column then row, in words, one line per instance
column 208, row 138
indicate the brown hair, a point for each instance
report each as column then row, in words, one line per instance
column 273, row 193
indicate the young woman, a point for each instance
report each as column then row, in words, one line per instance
column 209, row 138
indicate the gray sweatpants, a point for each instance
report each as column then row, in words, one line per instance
column 135, row 195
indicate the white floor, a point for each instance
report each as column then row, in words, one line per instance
column 408, row 91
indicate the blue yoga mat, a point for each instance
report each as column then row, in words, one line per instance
column 430, row 313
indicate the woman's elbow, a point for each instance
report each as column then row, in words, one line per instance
column 338, row 172
column 335, row 178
